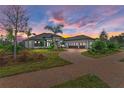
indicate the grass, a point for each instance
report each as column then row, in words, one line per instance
column 122, row 60
column 87, row 53
column 52, row 60
column 87, row 81
column 122, row 49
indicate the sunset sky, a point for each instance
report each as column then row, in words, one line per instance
column 88, row 20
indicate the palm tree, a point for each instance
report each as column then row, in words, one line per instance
column 55, row 29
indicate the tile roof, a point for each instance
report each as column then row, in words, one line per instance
column 79, row 37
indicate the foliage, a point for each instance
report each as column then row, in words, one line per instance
column 27, row 56
column 103, row 36
column 41, row 43
column 99, row 47
column 10, row 35
column 122, row 60
column 10, row 48
column 86, row 81
column 55, row 29
column 112, row 46
column 102, row 47
column 16, row 18
column 51, row 46
column 52, row 60
column 24, row 56
column 98, row 55
column 3, row 60
column 1, row 46
column 29, row 32
column 118, row 39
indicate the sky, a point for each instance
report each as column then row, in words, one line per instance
column 78, row 20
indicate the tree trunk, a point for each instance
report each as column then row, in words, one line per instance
column 15, row 44
column 28, row 41
column 54, row 42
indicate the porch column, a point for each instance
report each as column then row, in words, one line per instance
column 87, row 44
column 67, row 45
column 44, row 43
column 78, row 44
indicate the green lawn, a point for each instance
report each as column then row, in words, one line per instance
column 87, row 81
column 86, row 53
column 52, row 60
column 122, row 48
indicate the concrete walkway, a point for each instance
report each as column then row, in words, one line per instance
column 108, row 69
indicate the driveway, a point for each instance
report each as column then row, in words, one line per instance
column 108, row 69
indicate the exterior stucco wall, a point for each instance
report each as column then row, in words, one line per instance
column 46, row 43
column 29, row 44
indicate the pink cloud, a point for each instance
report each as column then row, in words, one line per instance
column 116, row 22
column 107, row 10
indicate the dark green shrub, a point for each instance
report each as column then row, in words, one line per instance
column 99, row 47
column 103, row 47
column 112, row 46
column 1, row 46
column 10, row 48
column 51, row 47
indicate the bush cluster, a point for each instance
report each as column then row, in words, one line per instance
column 22, row 57
column 8, row 49
column 27, row 56
column 102, row 47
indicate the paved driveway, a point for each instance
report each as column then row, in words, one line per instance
column 107, row 68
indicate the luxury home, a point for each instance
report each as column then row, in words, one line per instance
column 80, row 41
column 44, row 40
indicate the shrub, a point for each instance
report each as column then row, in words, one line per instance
column 3, row 61
column 27, row 56
column 51, row 47
column 99, row 47
column 1, row 46
column 24, row 56
column 103, row 47
column 112, row 46
column 37, row 56
column 10, row 48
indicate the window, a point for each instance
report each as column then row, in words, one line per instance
column 90, row 43
column 35, row 41
column 76, row 43
column 81, row 44
column 84, row 43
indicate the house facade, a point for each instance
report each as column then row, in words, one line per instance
column 45, row 40
column 80, row 41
